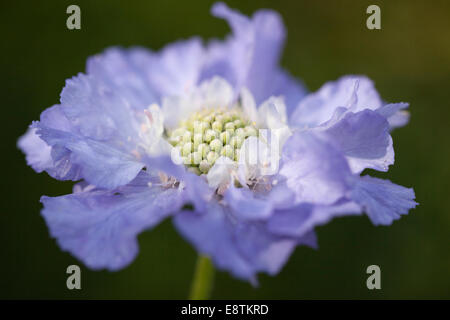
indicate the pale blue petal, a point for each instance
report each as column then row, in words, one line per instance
column 176, row 68
column 41, row 156
column 244, row 249
column 298, row 221
column 250, row 56
column 265, row 251
column 107, row 138
column 395, row 113
column 314, row 170
column 96, row 110
column 245, row 205
column 211, row 233
column 364, row 139
column 382, row 200
column 354, row 92
column 100, row 227
column 37, row 152
column 125, row 71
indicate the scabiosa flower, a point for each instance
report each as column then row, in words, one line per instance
column 219, row 138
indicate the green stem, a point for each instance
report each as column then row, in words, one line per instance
column 203, row 279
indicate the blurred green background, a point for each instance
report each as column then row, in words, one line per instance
column 409, row 59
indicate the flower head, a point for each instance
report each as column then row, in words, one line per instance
column 223, row 129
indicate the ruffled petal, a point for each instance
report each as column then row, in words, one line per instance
column 249, row 58
column 37, row 152
column 314, row 170
column 212, row 234
column 267, row 252
column 176, row 69
column 102, row 113
column 299, row 220
column 243, row 249
column 124, row 71
column 106, row 138
column 268, row 36
column 96, row 110
column 144, row 77
column 354, row 92
column 56, row 160
column 364, row 139
column 100, row 227
column 246, row 206
column 395, row 113
column 382, row 200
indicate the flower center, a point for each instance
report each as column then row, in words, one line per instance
column 210, row 133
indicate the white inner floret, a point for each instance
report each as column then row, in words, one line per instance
column 209, row 134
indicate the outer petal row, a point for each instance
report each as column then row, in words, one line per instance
column 100, row 226
column 241, row 248
column 355, row 93
column 250, row 56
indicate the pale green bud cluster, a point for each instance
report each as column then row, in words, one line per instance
column 209, row 134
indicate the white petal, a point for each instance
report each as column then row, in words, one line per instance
column 221, row 172
column 249, row 105
column 216, row 93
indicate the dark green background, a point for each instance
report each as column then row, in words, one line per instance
column 409, row 59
